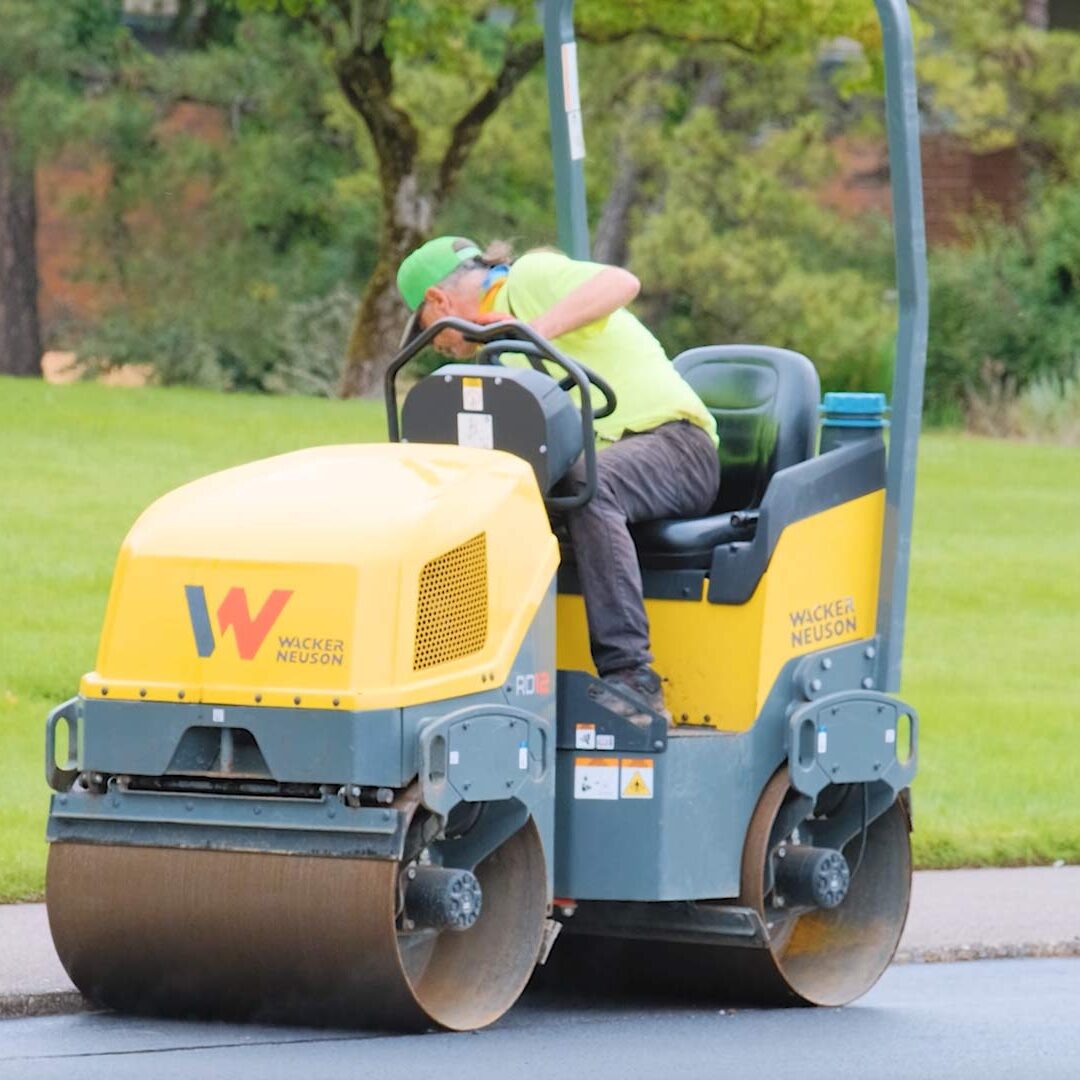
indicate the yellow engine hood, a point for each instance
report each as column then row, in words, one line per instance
column 301, row 577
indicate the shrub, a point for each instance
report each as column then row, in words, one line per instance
column 313, row 336
column 1005, row 311
column 239, row 342
column 1048, row 410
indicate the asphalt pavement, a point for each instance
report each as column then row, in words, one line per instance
column 989, row 1020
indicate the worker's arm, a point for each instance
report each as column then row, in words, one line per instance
column 605, row 292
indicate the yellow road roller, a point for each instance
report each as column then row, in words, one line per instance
column 343, row 758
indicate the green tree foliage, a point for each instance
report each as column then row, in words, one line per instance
column 994, row 79
column 426, row 76
column 728, row 233
column 724, row 139
column 233, row 258
column 216, row 240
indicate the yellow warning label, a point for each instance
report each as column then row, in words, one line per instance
column 472, row 394
column 636, row 778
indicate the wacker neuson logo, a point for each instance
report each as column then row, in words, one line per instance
column 831, row 619
column 325, row 651
column 250, row 631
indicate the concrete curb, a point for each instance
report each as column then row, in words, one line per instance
column 951, row 954
column 49, row 1003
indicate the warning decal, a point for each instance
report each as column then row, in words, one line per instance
column 472, row 394
column 636, row 781
column 585, row 736
column 596, row 778
column 476, row 430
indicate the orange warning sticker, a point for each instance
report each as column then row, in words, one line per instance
column 636, row 778
column 596, row 778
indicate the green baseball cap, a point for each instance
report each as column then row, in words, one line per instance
column 429, row 264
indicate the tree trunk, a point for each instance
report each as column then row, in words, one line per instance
column 408, row 216
column 1037, row 13
column 20, row 333
column 612, row 239
column 611, row 242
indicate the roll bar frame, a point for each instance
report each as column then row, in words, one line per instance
column 909, row 230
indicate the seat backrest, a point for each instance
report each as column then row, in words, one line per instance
column 765, row 402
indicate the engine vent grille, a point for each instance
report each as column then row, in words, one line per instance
column 452, row 612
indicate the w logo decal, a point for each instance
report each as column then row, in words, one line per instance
column 250, row 632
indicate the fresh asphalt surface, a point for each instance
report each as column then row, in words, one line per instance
column 986, row 1019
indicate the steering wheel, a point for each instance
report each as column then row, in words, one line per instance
column 512, row 336
column 491, row 352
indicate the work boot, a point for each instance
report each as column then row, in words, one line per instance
column 636, row 687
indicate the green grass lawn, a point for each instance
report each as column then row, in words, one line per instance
column 992, row 660
column 993, row 656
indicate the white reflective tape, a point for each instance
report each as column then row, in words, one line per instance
column 575, row 130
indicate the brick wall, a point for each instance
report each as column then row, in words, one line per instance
column 77, row 277
column 71, row 263
column 958, row 183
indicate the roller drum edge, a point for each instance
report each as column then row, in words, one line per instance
column 825, row 957
column 830, row 956
column 291, row 938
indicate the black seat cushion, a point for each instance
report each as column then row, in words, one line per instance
column 765, row 403
column 690, row 541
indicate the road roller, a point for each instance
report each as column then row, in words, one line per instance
column 343, row 758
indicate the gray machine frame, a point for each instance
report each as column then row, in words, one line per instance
column 902, row 116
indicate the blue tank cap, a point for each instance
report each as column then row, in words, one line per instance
column 854, row 410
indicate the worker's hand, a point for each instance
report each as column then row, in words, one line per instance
column 487, row 318
column 452, row 343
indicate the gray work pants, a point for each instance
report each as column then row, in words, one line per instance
column 672, row 471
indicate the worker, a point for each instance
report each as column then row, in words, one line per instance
column 658, row 449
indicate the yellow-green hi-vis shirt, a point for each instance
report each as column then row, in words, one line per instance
column 649, row 390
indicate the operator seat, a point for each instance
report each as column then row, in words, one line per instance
column 765, row 402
